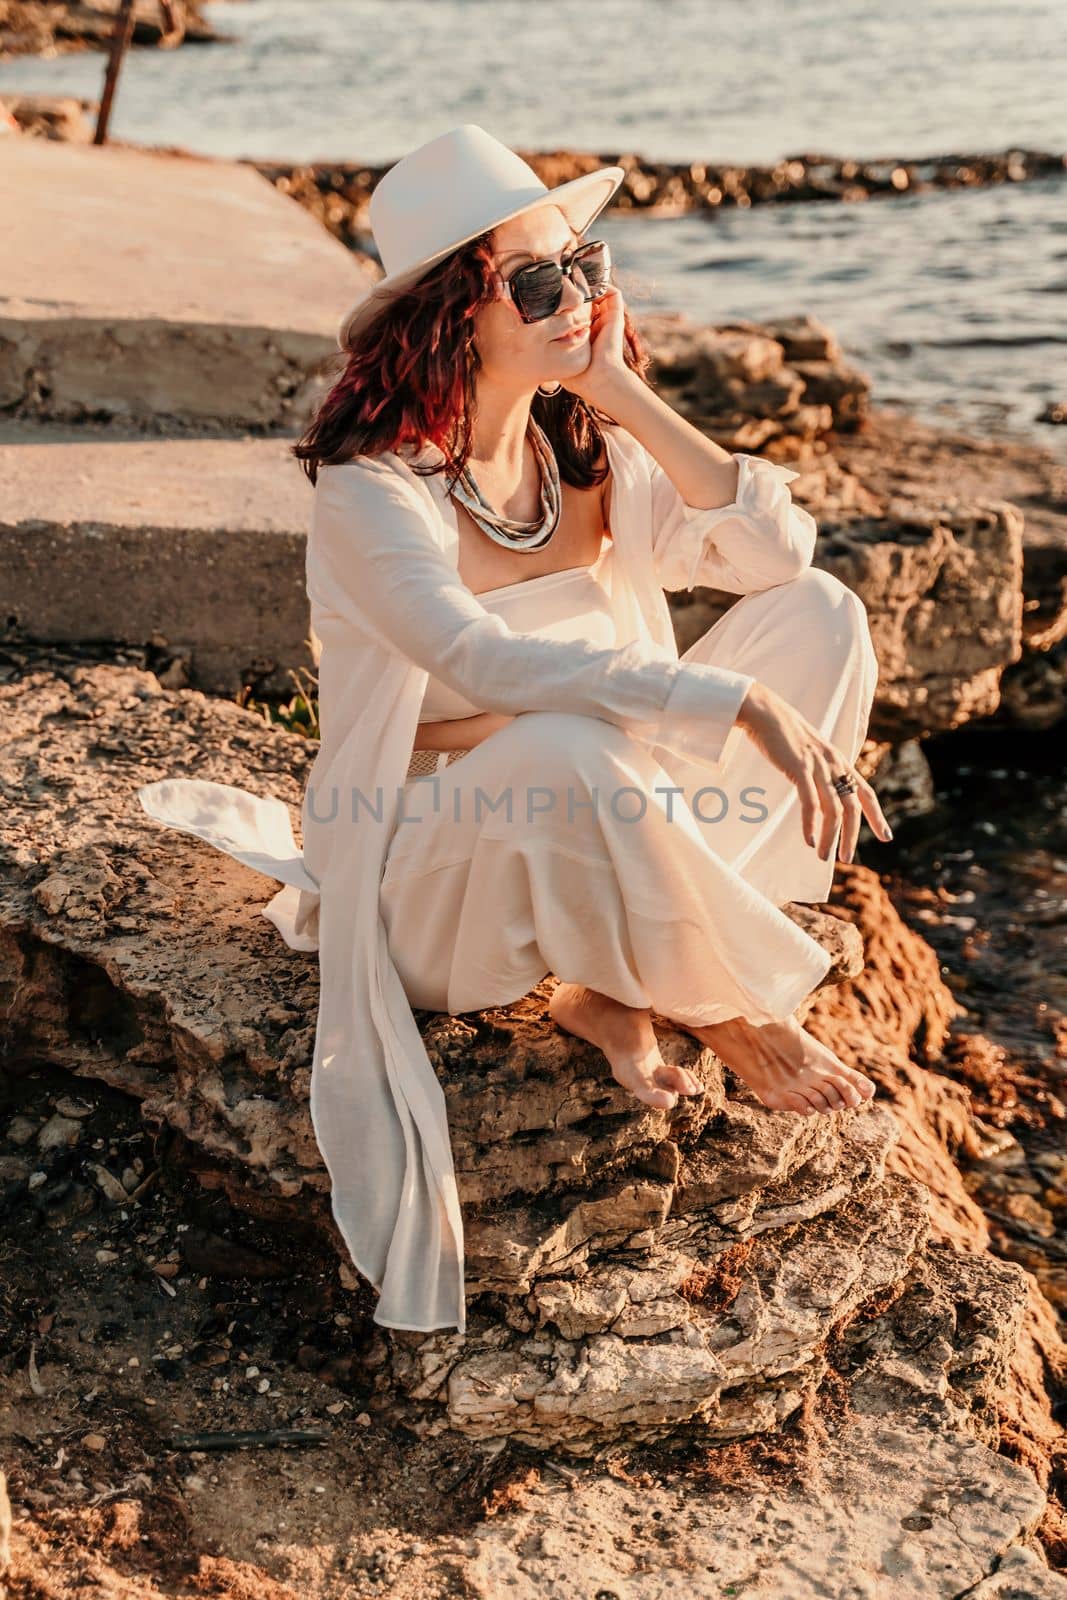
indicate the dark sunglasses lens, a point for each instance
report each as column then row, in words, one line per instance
column 594, row 265
column 538, row 289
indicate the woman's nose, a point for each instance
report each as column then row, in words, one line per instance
column 574, row 293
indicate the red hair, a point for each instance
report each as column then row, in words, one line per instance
column 409, row 378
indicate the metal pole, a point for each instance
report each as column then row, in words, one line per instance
column 120, row 41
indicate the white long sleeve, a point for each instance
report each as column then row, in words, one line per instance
column 761, row 538
column 374, row 563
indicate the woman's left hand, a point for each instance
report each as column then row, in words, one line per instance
column 607, row 365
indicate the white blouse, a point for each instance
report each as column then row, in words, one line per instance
column 389, row 609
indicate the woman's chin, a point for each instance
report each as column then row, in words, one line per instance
column 570, row 363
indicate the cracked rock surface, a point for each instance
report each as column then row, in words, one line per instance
column 637, row 1278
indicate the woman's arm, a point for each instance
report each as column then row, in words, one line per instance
column 458, row 733
column 373, row 563
column 723, row 521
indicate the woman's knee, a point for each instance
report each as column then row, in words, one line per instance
column 825, row 603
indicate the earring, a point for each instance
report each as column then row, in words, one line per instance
column 553, row 389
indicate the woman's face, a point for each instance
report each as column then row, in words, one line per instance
column 519, row 355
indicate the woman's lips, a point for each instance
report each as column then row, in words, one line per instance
column 574, row 336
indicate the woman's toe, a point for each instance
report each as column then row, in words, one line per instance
column 678, row 1079
column 662, row 1099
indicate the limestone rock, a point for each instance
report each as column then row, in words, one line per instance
column 605, row 1363
column 59, row 27
column 632, row 1274
column 884, row 1509
column 943, row 592
column 50, row 116
column 749, row 383
column 204, row 1014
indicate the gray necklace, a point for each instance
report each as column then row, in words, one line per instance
column 509, row 531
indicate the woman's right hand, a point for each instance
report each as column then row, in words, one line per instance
column 809, row 761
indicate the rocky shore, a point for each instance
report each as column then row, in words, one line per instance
column 338, row 192
column 718, row 1349
column 51, row 28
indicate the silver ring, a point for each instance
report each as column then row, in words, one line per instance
column 845, row 783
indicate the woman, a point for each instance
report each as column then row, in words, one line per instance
column 500, row 502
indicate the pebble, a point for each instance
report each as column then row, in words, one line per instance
column 106, row 1182
column 59, row 1133
column 67, row 1106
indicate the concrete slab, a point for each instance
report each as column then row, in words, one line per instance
column 195, row 544
column 139, row 283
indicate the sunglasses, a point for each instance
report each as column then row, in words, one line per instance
column 537, row 287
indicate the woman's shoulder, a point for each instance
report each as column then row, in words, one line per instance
column 399, row 460
column 386, row 468
column 381, row 495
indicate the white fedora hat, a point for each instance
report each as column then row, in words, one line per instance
column 449, row 191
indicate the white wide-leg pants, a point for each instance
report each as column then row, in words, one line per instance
column 547, row 848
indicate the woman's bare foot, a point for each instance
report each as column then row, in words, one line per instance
column 785, row 1066
column 626, row 1037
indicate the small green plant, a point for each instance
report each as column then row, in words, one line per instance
column 300, row 714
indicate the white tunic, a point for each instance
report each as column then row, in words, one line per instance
column 388, row 609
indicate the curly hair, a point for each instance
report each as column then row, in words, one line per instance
column 409, row 376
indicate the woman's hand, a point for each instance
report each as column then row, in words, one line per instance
column 599, row 381
column 795, row 747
